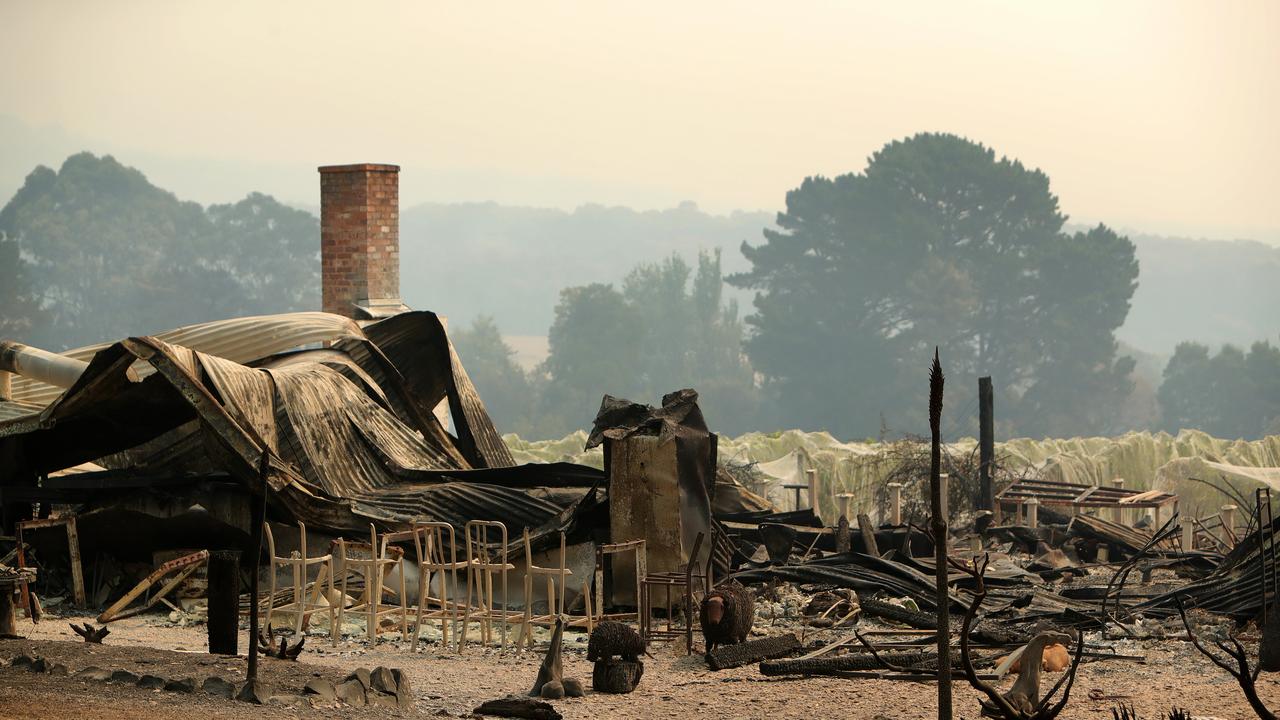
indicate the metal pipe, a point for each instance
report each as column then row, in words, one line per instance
column 49, row 368
column 1033, row 513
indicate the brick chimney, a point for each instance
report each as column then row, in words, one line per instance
column 360, row 240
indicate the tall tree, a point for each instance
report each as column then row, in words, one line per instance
column 112, row 255
column 104, row 245
column 21, row 313
column 668, row 328
column 271, row 250
column 937, row 242
column 594, row 345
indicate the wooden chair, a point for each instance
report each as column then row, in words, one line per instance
column 370, row 561
column 555, row 602
column 486, row 544
column 302, row 606
column 437, row 552
column 683, row 581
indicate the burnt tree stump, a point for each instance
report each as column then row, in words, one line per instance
column 8, row 618
column 224, row 602
column 616, row 676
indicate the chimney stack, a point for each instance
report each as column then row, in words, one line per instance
column 360, row 240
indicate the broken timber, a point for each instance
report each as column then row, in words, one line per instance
column 519, row 707
column 836, row 666
column 897, row 614
column 732, row 656
column 617, row 676
column 186, row 564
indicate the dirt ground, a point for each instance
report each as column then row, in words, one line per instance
column 447, row 684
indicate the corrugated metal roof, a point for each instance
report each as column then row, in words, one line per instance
column 13, row 409
column 418, row 345
column 456, row 503
column 350, row 425
column 240, row 340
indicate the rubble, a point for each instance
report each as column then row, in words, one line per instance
column 155, row 451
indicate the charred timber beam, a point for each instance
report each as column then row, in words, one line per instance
column 732, row 656
column 855, row 661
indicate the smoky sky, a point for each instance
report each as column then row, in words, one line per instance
column 1153, row 115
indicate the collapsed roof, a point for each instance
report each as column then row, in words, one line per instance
column 343, row 423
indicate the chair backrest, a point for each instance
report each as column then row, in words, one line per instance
column 401, row 536
column 689, row 572
column 430, row 540
column 480, row 538
column 271, row 541
column 528, row 549
column 370, row 552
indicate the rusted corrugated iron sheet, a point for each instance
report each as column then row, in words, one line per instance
column 362, row 359
column 340, row 438
column 456, row 503
column 13, row 409
column 339, row 432
column 417, row 344
column 237, row 339
column 247, row 394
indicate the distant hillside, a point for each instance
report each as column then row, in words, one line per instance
column 1211, row 291
column 470, row 259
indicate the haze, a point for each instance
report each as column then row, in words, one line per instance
column 1151, row 115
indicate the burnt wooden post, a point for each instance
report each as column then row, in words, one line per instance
column 986, row 443
column 939, row 539
column 259, row 515
column 615, row 675
column 224, row 602
column 8, row 617
column 868, row 532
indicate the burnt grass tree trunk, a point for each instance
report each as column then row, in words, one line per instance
column 939, row 539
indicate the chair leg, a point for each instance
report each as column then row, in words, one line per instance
column 299, row 596
column 373, row 591
column 586, row 605
column 423, row 584
column 404, row 606
column 451, row 602
column 466, row 611
column 525, row 631
column 552, row 607
column 342, row 604
column 488, row 606
column 334, row 630
column 688, row 618
column 271, row 594
column 506, row 620
column 642, row 609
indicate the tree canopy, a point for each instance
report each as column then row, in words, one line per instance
column 109, row 254
column 21, row 311
column 1233, row 394
column 937, row 242
column 666, row 329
